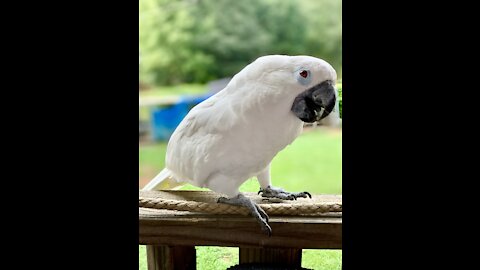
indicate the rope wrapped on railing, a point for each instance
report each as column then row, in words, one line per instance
column 310, row 207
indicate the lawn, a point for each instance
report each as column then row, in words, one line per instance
column 312, row 163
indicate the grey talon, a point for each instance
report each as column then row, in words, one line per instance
column 271, row 192
column 257, row 212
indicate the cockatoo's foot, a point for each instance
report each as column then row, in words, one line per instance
column 257, row 212
column 271, row 192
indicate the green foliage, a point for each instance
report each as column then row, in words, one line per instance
column 230, row 33
column 165, row 41
column 200, row 40
column 324, row 36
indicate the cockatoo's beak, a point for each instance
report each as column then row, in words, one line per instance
column 315, row 103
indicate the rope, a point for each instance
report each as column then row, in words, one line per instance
column 283, row 209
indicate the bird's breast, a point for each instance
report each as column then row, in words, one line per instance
column 259, row 140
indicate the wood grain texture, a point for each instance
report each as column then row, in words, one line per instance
column 171, row 257
column 281, row 256
column 168, row 227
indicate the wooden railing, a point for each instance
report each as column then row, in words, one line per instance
column 171, row 236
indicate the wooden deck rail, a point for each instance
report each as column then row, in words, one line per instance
column 171, row 236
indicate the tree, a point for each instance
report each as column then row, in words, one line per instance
column 165, row 41
column 199, row 40
column 324, row 35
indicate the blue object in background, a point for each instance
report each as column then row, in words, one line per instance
column 165, row 120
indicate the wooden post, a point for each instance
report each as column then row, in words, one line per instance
column 171, row 257
column 282, row 256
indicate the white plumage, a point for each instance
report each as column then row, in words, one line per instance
column 235, row 134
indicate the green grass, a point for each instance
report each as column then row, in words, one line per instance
column 142, row 258
column 216, row 257
column 312, row 162
column 151, row 159
column 322, row 259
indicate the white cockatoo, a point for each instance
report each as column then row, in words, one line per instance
column 235, row 134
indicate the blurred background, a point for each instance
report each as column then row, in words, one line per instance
column 189, row 50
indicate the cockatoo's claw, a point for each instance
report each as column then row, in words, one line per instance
column 303, row 194
column 262, row 213
column 271, row 192
column 266, row 228
column 257, row 212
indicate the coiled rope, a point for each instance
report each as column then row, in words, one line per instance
column 284, row 209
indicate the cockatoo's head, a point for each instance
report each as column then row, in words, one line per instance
column 307, row 82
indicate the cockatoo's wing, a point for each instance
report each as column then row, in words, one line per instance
column 192, row 144
column 196, row 145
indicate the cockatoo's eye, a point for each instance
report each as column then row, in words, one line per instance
column 303, row 76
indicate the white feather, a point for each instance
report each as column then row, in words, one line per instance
column 163, row 180
column 235, row 134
